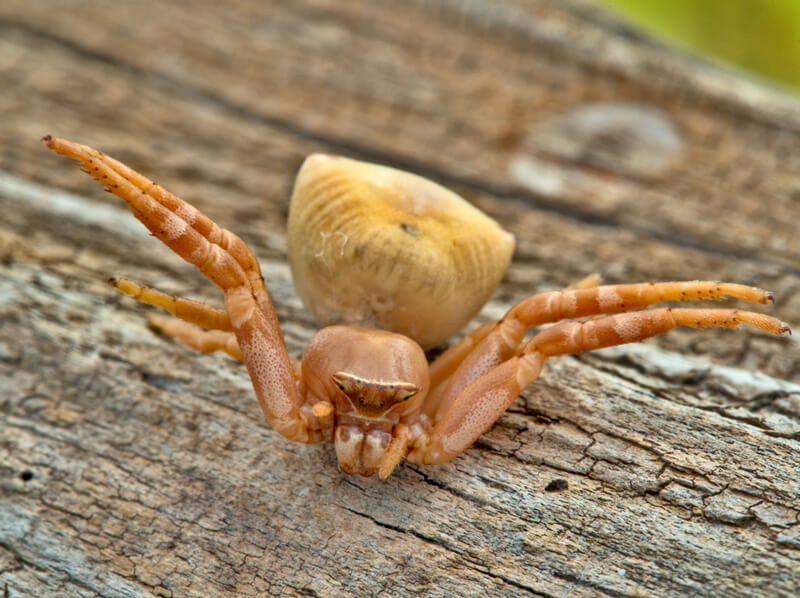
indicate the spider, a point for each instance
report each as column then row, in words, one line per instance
column 372, row 392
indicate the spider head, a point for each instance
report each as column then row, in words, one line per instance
column 371, row 381
column 365, row 424
column 371, row 399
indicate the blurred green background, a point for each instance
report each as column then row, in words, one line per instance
column 761, row 36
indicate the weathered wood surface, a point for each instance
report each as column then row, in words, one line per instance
column 130, row 466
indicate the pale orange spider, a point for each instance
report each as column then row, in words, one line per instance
column 369, row 391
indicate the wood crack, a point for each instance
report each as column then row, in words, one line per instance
column 462, row 557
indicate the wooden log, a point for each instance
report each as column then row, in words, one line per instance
column 131, row 466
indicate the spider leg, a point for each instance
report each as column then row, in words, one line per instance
column 589, row 282
column 503, row 341
column 194, row 337
column 206, row 316
column 446, row 364
column 225, row 260
column 484, row 399
column 194, row 316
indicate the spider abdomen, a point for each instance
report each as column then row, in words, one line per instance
column 377, row 247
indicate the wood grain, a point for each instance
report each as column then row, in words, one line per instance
column 130, row 466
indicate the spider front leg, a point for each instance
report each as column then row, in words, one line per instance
column 449, row 361
column 223, row 258
column 484, row 399
column 495, row 342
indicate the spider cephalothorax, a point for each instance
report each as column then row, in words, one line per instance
column 412, row 257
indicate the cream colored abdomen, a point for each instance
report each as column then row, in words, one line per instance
column 377, row 247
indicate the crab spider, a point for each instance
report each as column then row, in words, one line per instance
column 371, row 391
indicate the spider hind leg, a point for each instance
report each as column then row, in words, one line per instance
column 189, row 310
column 194, row 337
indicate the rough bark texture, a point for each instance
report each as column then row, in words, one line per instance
column 130, row 466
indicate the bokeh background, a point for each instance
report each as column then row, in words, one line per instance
column 760, row 37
